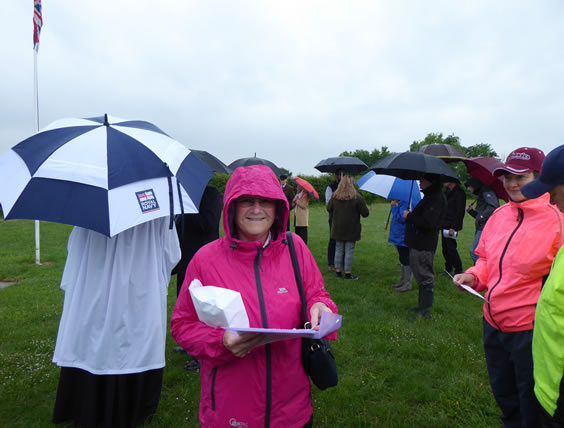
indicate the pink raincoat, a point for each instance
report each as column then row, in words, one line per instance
column 516, row 249
column 269, row 386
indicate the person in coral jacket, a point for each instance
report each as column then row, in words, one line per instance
column 516, row 251
column 244, row 383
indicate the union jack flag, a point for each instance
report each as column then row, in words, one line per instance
column 37, row 23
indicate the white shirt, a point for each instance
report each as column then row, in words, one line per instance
column 114, row 317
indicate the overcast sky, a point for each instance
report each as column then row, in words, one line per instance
column 293, row 81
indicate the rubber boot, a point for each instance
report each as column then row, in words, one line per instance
column 407, row 276
column 427, row 294
column 401, row 283
column 418, row 307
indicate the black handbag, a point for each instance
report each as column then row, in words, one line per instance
column 318, row 360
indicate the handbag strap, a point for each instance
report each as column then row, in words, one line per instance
column 298, row 275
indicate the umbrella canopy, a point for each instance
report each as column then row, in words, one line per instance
column 446, row 152
column 482, row 168
column 254, row 161
column 307, row 187
column 350, row 164
column 390, row 187
column 212, row 162
column 104, row 174
column 413, row 166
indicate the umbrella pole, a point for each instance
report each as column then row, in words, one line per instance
column 410, row 192
column 388, row 220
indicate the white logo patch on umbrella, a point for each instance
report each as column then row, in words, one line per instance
column 147, row 201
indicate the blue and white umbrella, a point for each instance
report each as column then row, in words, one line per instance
column 105, row 174
column 390, row 187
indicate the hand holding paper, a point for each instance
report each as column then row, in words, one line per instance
column 467, row 288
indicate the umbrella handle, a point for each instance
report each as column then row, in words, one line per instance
column 388, row 220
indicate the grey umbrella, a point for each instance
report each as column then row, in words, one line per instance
column 413, row 166
column 446, row 152
column 254, row 161
column 212, row 162
column 350, row 164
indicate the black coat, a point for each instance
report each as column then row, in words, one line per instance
column 456, row 208
column 422, row 225
column 486, row 204
column 199, row 229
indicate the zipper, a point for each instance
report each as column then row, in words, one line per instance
column 213, row 375
column 519, row 220
column 268, row 405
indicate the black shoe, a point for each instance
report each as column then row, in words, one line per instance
column 339, row 274
column 349, row 276
column 192, row 365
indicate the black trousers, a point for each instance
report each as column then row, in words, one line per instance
column 331, row 247
column 301, row 231
column 509, row 357
column 452, row 258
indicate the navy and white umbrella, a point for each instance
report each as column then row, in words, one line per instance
column 105, row 174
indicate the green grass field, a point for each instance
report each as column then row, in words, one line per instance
column 393, row 372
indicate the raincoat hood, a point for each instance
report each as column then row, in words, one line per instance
column 255, row 180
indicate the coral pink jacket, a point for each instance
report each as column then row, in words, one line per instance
column 516, row 249
column 269, row 386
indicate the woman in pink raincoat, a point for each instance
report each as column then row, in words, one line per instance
column 243, row 383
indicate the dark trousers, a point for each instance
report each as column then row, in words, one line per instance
column 452, row 258
column 301, row 231
column 331, row 247
column 403, row 253
column 509, row 357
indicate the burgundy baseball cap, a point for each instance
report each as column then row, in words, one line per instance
column 521, row 161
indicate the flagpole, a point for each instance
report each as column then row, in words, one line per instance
column 36, row 114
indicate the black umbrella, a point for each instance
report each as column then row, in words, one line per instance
column 254, row 161
column 350, row 164
column 413, row 166
column 212, row 162
column 446, row 152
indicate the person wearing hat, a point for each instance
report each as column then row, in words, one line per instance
column 486, row 203
column 516, row 249
column 548, row 335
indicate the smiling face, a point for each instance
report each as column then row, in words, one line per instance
column 254, row 217
column 557, row 196
column 513, row 183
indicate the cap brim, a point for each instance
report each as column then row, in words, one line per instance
column 499, row 171
column 535, row 189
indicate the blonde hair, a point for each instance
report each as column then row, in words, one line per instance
column 346, row 190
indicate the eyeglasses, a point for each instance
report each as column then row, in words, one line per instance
column 247, row 202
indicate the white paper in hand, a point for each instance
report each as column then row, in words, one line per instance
column 218, row 307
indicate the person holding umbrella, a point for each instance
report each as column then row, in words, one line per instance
column 301, row 213
column 516, row 250
column 548, row 335
column 111, row 340
column 422, row 236
column 486, row 203
column 397, row 238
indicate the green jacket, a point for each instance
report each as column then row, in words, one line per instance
column 548, row 342
column 346, row 218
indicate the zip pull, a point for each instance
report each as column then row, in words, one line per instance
column 519, row 215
